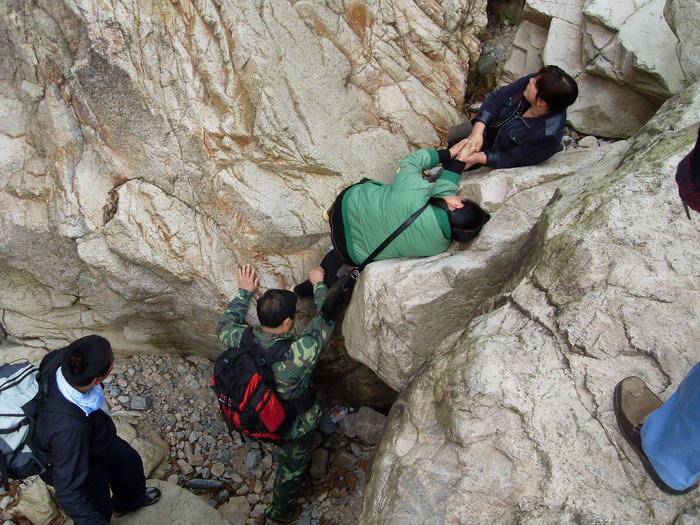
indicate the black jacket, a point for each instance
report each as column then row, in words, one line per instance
column 518, row 141
column 76, row 447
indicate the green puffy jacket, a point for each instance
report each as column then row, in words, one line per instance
column 373, row 210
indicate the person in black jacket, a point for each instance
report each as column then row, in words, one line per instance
column 520, row 124
column 77, row 439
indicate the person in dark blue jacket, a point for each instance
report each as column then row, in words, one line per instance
column 520, row 124
column 77, row 439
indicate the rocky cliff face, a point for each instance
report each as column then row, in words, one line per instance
column 147, row 148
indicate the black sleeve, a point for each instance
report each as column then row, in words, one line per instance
column 454, row 165
column 443, row 156
column 491, row 108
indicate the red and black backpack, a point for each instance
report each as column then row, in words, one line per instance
column 245, row 389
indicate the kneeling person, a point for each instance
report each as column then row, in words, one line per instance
column 77, row 439
column 521, row 124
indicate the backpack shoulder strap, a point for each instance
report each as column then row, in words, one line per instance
column 251, row 344
column 275, row 351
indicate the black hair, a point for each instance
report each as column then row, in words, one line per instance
column 556, row 88
column 85, row 359
column 275, row 306
column 465, row 222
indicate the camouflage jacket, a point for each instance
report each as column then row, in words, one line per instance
column 293, row 373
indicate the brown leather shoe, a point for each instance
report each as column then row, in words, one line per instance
column 632, row 403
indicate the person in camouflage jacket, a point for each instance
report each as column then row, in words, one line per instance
column 276, row 311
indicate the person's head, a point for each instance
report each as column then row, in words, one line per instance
column 465, row 222
column 87, row 360
column 552, row 86
column 276, row 309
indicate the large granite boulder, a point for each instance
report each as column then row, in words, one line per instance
column 622, row 54
column 403, row 309
column 512, row 420
column 146, row 149
column 176, row 506
column 682, row 16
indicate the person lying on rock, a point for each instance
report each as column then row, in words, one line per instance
column 521, row 124
column 77, row 439
column 365, row 214
column 276, row 311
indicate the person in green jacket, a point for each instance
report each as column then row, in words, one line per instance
column 366, row 213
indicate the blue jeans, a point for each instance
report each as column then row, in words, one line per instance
column 671, row 435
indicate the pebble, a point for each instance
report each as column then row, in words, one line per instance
column 140, row 403
column 185, row 467
column 588, row 142
column 252, row 459
column 204, row 484
column 267, row 461
column 218, row 469
column 344, row 461
column 319, row 463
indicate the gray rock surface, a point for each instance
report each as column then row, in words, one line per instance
column 402, row 310
column 622, row 54
column 504, row 422
column 365, row 424
column 236, row 510
column 682, row 16
column 176, row 506
column 36, row 505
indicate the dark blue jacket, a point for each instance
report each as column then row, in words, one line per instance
column 519, row 141
column 77, row 448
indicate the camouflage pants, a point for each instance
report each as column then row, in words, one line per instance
column 294, row 457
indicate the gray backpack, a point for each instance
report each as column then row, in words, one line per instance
column 21, row 393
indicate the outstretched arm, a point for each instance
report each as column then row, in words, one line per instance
column 232, row 323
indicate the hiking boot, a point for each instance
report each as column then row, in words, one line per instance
column 632, row 403
column 289, row 515
column 151, row 496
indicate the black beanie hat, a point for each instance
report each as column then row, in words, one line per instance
column 466, row 222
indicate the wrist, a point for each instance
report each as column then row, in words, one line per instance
column 444, row 155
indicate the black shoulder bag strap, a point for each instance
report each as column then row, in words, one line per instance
column 342, row 289
column 391, row 237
